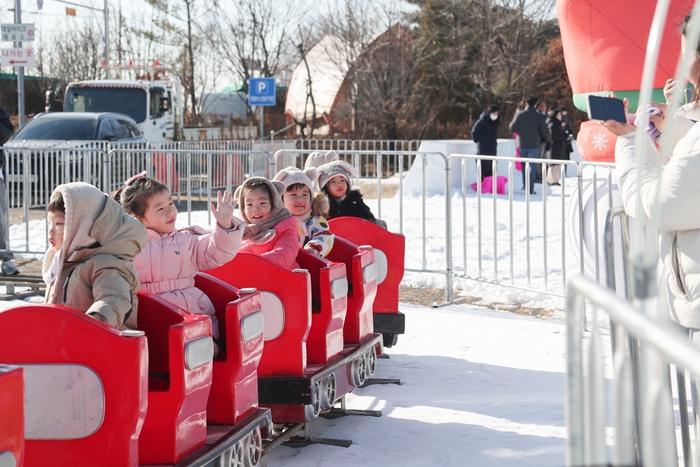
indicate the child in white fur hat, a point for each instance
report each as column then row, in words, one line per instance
column 334, row 180
column 310, row 211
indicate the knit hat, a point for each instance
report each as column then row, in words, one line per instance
column 291, row 176
column 330, row 170
column 318, row 158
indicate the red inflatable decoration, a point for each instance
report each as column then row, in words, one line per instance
column 605, row 43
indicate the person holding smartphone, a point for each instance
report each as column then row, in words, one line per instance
column 669, row 191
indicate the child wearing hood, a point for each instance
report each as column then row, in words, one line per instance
column 92, row 244
column 334, row 180
column 271, row 232
column 169, row 262
column 310, row 210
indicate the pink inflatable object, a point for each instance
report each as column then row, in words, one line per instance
column 487, row 185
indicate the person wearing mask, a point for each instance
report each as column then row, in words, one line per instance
column 485, row 134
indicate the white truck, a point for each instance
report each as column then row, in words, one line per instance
column 155, row 104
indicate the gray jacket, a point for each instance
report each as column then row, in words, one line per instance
column 531, row 127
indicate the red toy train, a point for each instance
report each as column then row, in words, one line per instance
column 296, row 342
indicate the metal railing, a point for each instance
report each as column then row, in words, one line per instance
column 365, row 165
column 190, row 174
column 586, row 401
column 475, row 233
column 194, row 170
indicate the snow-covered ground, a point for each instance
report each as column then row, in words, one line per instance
column 478, row 388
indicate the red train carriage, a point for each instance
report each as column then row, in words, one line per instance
column 11, row 416
column 304, row 311
column 100, row 396
column 389, row 250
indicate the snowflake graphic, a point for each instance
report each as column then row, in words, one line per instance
column 600, row 142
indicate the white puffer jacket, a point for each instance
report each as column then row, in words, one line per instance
column 672, row 190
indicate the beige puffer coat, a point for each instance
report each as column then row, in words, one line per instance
column 100, row 242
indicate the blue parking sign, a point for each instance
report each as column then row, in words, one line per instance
column 261, row 91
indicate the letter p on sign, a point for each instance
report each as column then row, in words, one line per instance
column 262, row 87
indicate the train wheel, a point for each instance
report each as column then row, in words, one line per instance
column 253, row 451
column 359, row 372
column 232, row 457
column 314, row 409
column 371, row 362
column 328, row 392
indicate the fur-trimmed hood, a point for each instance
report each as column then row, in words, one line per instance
column 320, row 205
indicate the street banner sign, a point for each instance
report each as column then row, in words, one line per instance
column 17, row 32
column 17, row 57
column 261, row 91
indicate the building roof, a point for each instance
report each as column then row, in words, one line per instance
column 327, row 67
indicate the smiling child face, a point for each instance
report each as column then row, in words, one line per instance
column 297, row 200
column 257, row 205
column 161, row 213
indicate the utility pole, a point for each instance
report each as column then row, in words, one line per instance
column 106, row 39
column 20, row 70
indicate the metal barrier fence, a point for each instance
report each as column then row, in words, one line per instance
column 367, row 167
column 502, row 214
column 194, row 170
column 190, row 174
column 285, row 158
column 642, row 401
column 643, row 339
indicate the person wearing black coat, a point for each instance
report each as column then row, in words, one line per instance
column 557, row 151
column 351, row 205
column 7, row 267
column 485, row 134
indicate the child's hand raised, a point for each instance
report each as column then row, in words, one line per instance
column 223, row 211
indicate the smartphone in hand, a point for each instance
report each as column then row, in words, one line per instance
column 606, row 108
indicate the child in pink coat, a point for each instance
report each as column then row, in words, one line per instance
column 168, row 263
column 271, row 231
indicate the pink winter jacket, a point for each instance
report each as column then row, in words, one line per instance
column 282, row 249
column 168, row 263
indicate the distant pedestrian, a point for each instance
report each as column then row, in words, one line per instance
column 6, row 130
column 485, row 134
column 531, row 127
column 557, row 149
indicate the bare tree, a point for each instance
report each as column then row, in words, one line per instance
column 255, row 37
column 181, row 28
column 303, row 46
column 78, row 55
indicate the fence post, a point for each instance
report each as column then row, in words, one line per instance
column 448, row 234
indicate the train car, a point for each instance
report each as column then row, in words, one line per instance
column 11, row 416
column 389, row 251
column 155, row 395
column 100, row 396
column 307, row 366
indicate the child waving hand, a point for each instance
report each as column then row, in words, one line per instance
column 170, row 260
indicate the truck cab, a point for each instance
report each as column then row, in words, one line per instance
column 154, row 105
